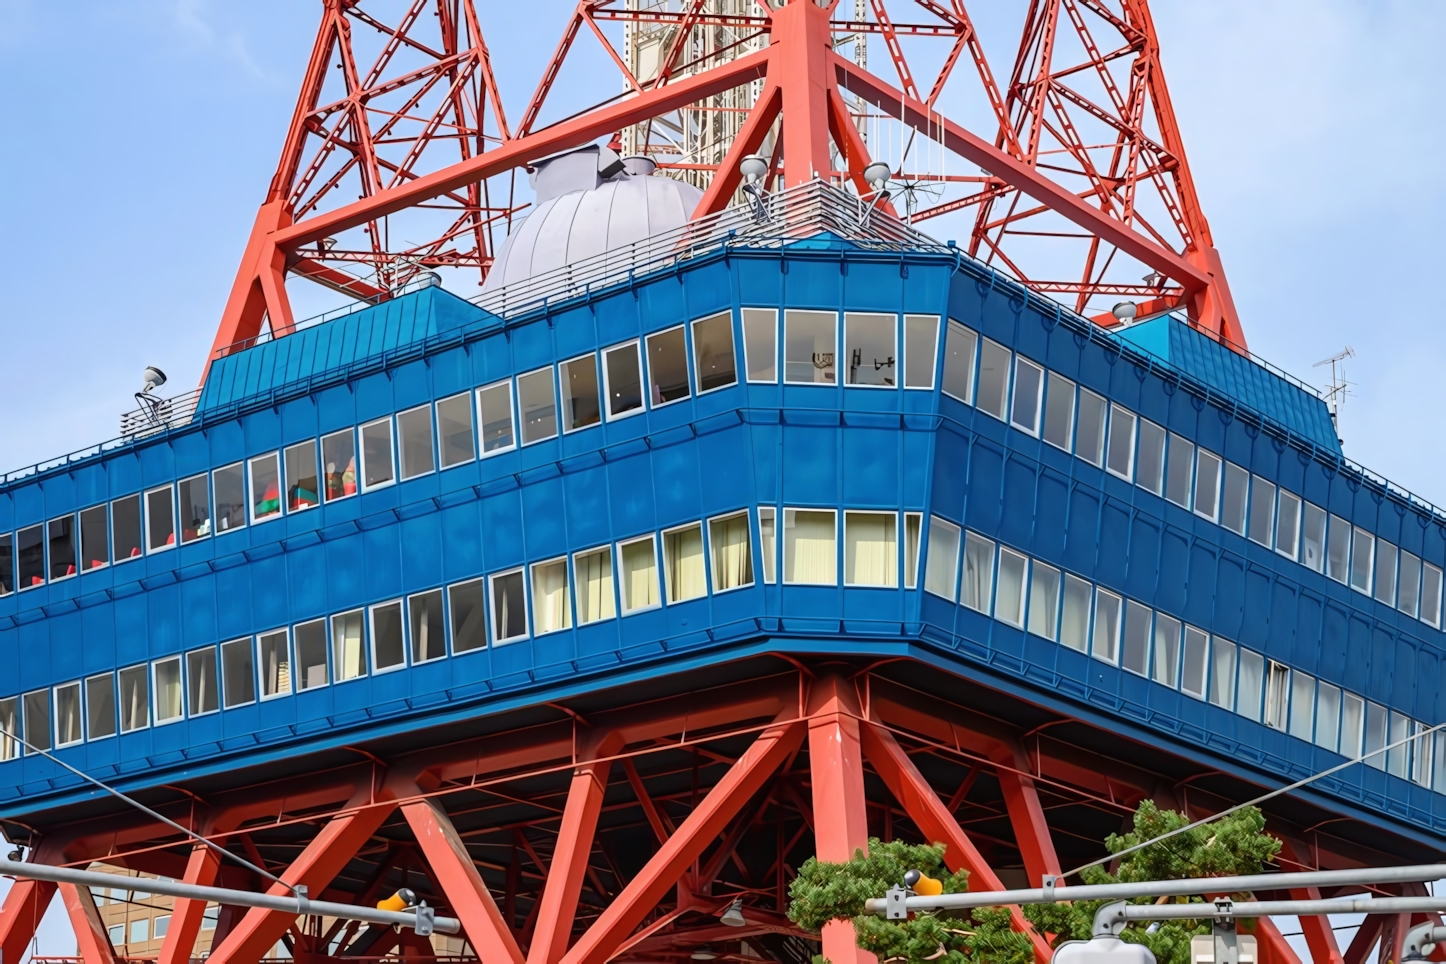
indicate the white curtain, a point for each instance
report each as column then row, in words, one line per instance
column 1074, row 624
column 1222, row 673
column 594, row 586
column 9, row 748
column 640, row 575
column 346, row 636
column 913, row 522
column 732, row 552
column 978, row 572
column 1043, row 600
column 810, row 548
column 1167, row 651
column 1107, row 626
column 871, row 549
column 683, row 554
column 1251, row 679
column 168, row 690
column 941, row 569
column 1009, row 598
column 550, row 608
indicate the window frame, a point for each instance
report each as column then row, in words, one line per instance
column 44, row 567
column 79, row 710
column 768, row 560
column 692, row 343
column 531, row 590
column 848, row 348
column 481, row 427
column 298, row 684
column 1113, row 657
column 471, row 428
column 847, row 513
column 74, row 518
column 604, row 550
column 703, row 545
column 934, row 353
column 145, row 674
column 205, row 478
column 1104, row 427
column 251, row 517
column 918, row 552
column 109, row 676
column 248, row 645
column 648, row 366
column 371, row 633
column 1022, row 602
column 451, row 610
column 927, row 543
column 410, row 636
column 400, row 467
column 286, row 451
column 712, row 559
column 114, row 546
column 618, row 547
column 334, row 664
column 564, row 407
column 361, row 462
column 971, row 365
column 1038, row 427
column 260, row 667
column 1281, row 496
column 783, row 542
column 156, row 689
column 1050, row 380
column 1116, row 410
column 607, row 409
column 1157, row 466
column 519, row 417
column 834, row 315
column 1219, row 485
column 326, row 497
column 1005, row 389
column 492, row 607
column 148, row 549
column 747, row 358
column 191, row 712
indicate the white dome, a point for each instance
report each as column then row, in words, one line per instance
column 565, row 228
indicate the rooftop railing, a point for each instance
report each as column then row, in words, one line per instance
column 158, row 414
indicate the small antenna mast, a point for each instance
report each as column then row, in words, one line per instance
column 1339, row 388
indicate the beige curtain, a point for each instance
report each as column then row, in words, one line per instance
column 168, row 690
column 871, row 549
column 683, row 555
column 346, row 638
column 594, row 572
column 732, row 552
column 9, row 748
column 768, row 541
column 810, row 547
column 640, row 575
column 913, row 522
column 550, row 608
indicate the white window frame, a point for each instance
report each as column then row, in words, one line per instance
column 437, row 429
column 75, row 541
column 371, row 635
column 397, row 442
column 687, row 365
column 898, row 368
column 691, row 343
column 667, row 589
column 1129, row 473
column 602, row 406
column 80, row 708
column 777, row 346
column 518, row 417
column 120, row 696
column 261, row 696
column 769, row 560
column 361, row 455
column 85, row 705
column 708, row 550
column 186, row 680
column 1038, row 395
column 1023, row 601
column 924, row 543
column 608, row 416
column 251, row 488
column 511, row 414
column 331, row 656
column 973, row 361
column 933, row 368
column 532, row 595
column 1214, row 514
column 145, row 524
column 320, row 468
column 1114, row 658
column 837, row 540
column 657, row 573
column 155, row 690
column 572, row 587
column 221, row 673
column 492, row 607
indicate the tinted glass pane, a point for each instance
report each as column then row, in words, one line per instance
column 579, row 393
column 201, row 691
column 959, row 345
column 1179, row 471
column 1232, row 506
column 1028, row 388
column 37, row 719
column 994, row 362
column 238, row 673
column 869, row 349
column 229, row 487
column 60, row 533
column 509, row 607
column 274, row 654
column 713, row 357
column 624, row 380
column 348, row 651
column 494, row 408
column 195, row 503
column 338, row 459
column 469, row 623
column 760, row 343
column 809, row 344
column 387, row 636
column 1089, row 439
column 30, row 555
column 429, row 631
column 667, row 366
column 100, row 706
column 125, row 528
column 303, row 489
column 1207, row 484
column 538, row 403
column 311, row 655
column 921, row 344
column 414, row 440
column 1059, row 412
column 1262, row 511
column 454, row 430
column 1122, row 442
column 1150, row 467
column 135, row 698
column 377, row 453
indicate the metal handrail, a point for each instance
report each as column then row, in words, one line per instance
column 160, row 414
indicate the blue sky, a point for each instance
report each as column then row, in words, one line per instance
column 140, row 137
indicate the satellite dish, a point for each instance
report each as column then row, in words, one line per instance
column 154, row 378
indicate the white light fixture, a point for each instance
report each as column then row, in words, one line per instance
column 733, row 916
column 703, row 954
column 153, row 378
column 1125, row 312
column 876, row 175
column 753, row 168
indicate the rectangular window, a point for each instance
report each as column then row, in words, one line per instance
column 623, row 380
column 1363, row 550
column 388, row 646
column 1235, row 498
column 537, row 403
column 994, row 361
column 117, row 935
column 1385, row 572
column 869, row 348
column 768, row 540
column 494, row 414
column 1222, row 673
column 593, row 573
column 1105, row 643
column 160, row 520
column 303, row 487
column 376, row 454
column 921, row 346
column 1420, row 755
column 941, row 568
column 1262, row 511
column 683, row 562
column 348, row 650
column 1353, row 721
column 140, row 931
column 1059, row 412
column 1313, row 537
column 809, row 343
column 913, row 527
column 1089, row 439
column 469, row 620
column 99, row 708
column 311, row 655
column 1121, row 460
column 871, row 549
column 1398, row 758
column 1338, row 550
column 455, row 442
column 1207, row 484
column 509, row 606
column 414, row 441
column 37, row 720
column 668, row 365
column 202, row 694
column 1150, row 472
column 810, row 547
column 1438, row 779
column 1277, row 696
column 1193, row 662
column 238, row 673
column 1044, row 601
column 9, row 730
column 713, row 358
column 1167, row 651
column 160, row 925
column 638, row 568
column 1009, row 587
column 1431, row 595
column 265, row 487
column 167, row 687
column 229, row 485
column 338, row 458
column 1179, row 471
column 135, row 698
column 273, row 654
column 978, row 572
column 67, row 714
column 580, row 408
column 731, row 550
column 1408, row 599
column 7, row 557
column 1135, row 651
column 125, row 529
column 1074, row 622
column 959, row 348
column 1028, row 395
column 1327, row 716
column 194, row 496
column 551, row 604
column 760, row 344
column 1251, row 685
column 30, row 553
column 1377, row 719
column 1287, row 526
column 60, row 534
column 428, row 626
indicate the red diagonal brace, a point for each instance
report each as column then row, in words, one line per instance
column 25, row 905
column 1316, row 927
column 1026, row 815
column 91, row 941
column 1273, row 947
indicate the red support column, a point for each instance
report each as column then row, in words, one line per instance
column 1272, row 946
column 25, row 905
column 1317, row 928
column 1031, row 830
column 92, row 943
column 1366, row 936
column 802, row 51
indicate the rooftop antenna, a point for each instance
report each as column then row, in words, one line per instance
column 1339, row 388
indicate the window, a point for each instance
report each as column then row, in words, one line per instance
column 1074, row 623
column 1179, row 466
column 1408, row 599
column 1431, row 595
column 1222, row 673
column 414, row 441
column 1089, row 439
column 303, row 489
column 1375, row 737
column 376, row 454
column 809, row 547
column 273, row 652
column 167, row 687
column 1028, row 394
column 117, row 935
column 683, row 561
column 135, row 698
column 388, row 647
column 161, row 925
column 913, row 525
column 265, row 487
column 1235, row 501
column 760, row 343
column 1167, row 651
column 537, row 402
column 1398, row 758
column 494, row 414
column 37, row 720
column 1105, row 643
column 1009, row 587
column 1150, row 473
column 455, row 444
column 941, row 569
column 9, row 730
column 67, row 714
column 509, row 606
column 7, row 558
column 1059, row 412
column 1044, row 601
column 203, row 696
column 1327, row 715
column 921, row 346
column 1262, row 511
column 768, row 540
column 1192, row 664
column 993, row 379
column 1251, row 684
column 551, row 606
column 469, row 621
column 638, row 566
column 978, row 572
column 668, row 366
column 160, row 520
column 959, row 345
column 338, row 458
column 1121, row 460
column 194, row 497
column 125, row 529
column 1353, row 720
column 1385, row 572
column 311, row 655
column 1207, row 484
column 99, row 708
column 1313, row 537
column 1363, row 551
column 60, row 533
column 348, row 652
column 238, row 674
column 1277, row 696
column 809, row 343
column 869, row 348
column 1420, row 748
column 140, row 930
column 871, row 549
column 1338, row 549
column 623, row 380
column 593, row 572
column 30, row 552
column 428, row 626
column 578, row 377
column 1287, row 525
column 732, row 551
column 713, row 358
column 1135, row 652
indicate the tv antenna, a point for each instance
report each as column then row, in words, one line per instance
column 1339, row 388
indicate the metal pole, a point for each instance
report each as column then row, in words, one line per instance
column 1112, row 917
column 421, row 919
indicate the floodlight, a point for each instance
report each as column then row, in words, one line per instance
column 1125, row 311
column 153, row 378
column 733, row 916
column 876, row 175
column 753, row 167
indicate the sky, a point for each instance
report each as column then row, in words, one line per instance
column 139, row 138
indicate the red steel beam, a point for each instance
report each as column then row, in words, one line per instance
column 1026, row 815
column 1272, row 946
column 92, row 942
